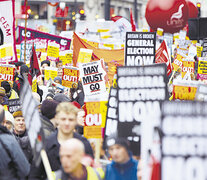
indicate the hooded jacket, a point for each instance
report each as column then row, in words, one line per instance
column 126, row 171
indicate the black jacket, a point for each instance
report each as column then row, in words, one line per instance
column 13, row 163
column 24, row 143
column 47, row 126
column 18, row 85
column 52, row 149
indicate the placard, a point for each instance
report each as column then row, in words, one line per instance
column 93, row 78
column 70, row 76
column 183, row 92
column 140, row 90
column 140, row 48
column 183, row 150
column 93, row 120
column 50, row 72
column 7, row 73
column 66, row 57
column 13, row 105
column 53, row 51
column 6, row 53
column 202, row 69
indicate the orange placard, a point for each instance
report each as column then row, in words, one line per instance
column 70, row 76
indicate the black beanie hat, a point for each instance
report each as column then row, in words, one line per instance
column 45, row 62
column 48, row 108
column 120, row 141
column 6, row 86
column 24, row 69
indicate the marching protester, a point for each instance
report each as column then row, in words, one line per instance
column 66, row 117
column 8, row 121
column 123, row 165
column 71, row 155
column 3, row 98
column 19, row 82
column 48, row 111
column 13, row 164
column 21, row 135
column 10, row 93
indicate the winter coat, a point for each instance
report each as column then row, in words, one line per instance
column 24, row 143
column 18, row 85
column 47, row 126
column 52, row 149
column 13, row 164
column 127, row 171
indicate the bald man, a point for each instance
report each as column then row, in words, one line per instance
column 71, row 154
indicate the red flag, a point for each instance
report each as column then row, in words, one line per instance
column 162, row 56
column 34, row 66
column 132, row 21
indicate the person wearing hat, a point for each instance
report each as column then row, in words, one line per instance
column 48, row 111
column 8, row 121
column 123, row 166
column 18, row 84
column 14, row 164
column 10, row 93
column 3, row 98
column 21, row 135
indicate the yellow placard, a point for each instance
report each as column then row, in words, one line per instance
column 184, row 92
column 50, row 73
column 103, row 111
column 92, row 132
column 177, row 63
column 84, row 55
column 6, row 51
column 202, row 67
column 53, row 51
column 109, row 45
column 34, row 85
column 199, row 50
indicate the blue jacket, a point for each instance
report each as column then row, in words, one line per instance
column 127, row 171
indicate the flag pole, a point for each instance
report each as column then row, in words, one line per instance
column 25, row 30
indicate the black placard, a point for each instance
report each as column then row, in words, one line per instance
column 184, row 141
column 13, row 105
column 140, row 91
column 140, row 48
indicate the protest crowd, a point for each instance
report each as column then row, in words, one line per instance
column 114, row 103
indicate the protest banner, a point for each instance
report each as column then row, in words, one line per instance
column 183, row 141
column 199, row 49
column 28, row 51
column 111, row 117
column 66, row 57
column 107, row 55
column 162, row 56
column 7, row 30
column 140, row 48
column 50, row 72
column 7, row 73
column 140, row 90
column 93, row 78
column 32, row 120
column 13, row 105
column 202, row 69
column 70, row 76
column 32, row 34
column 53, row 51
